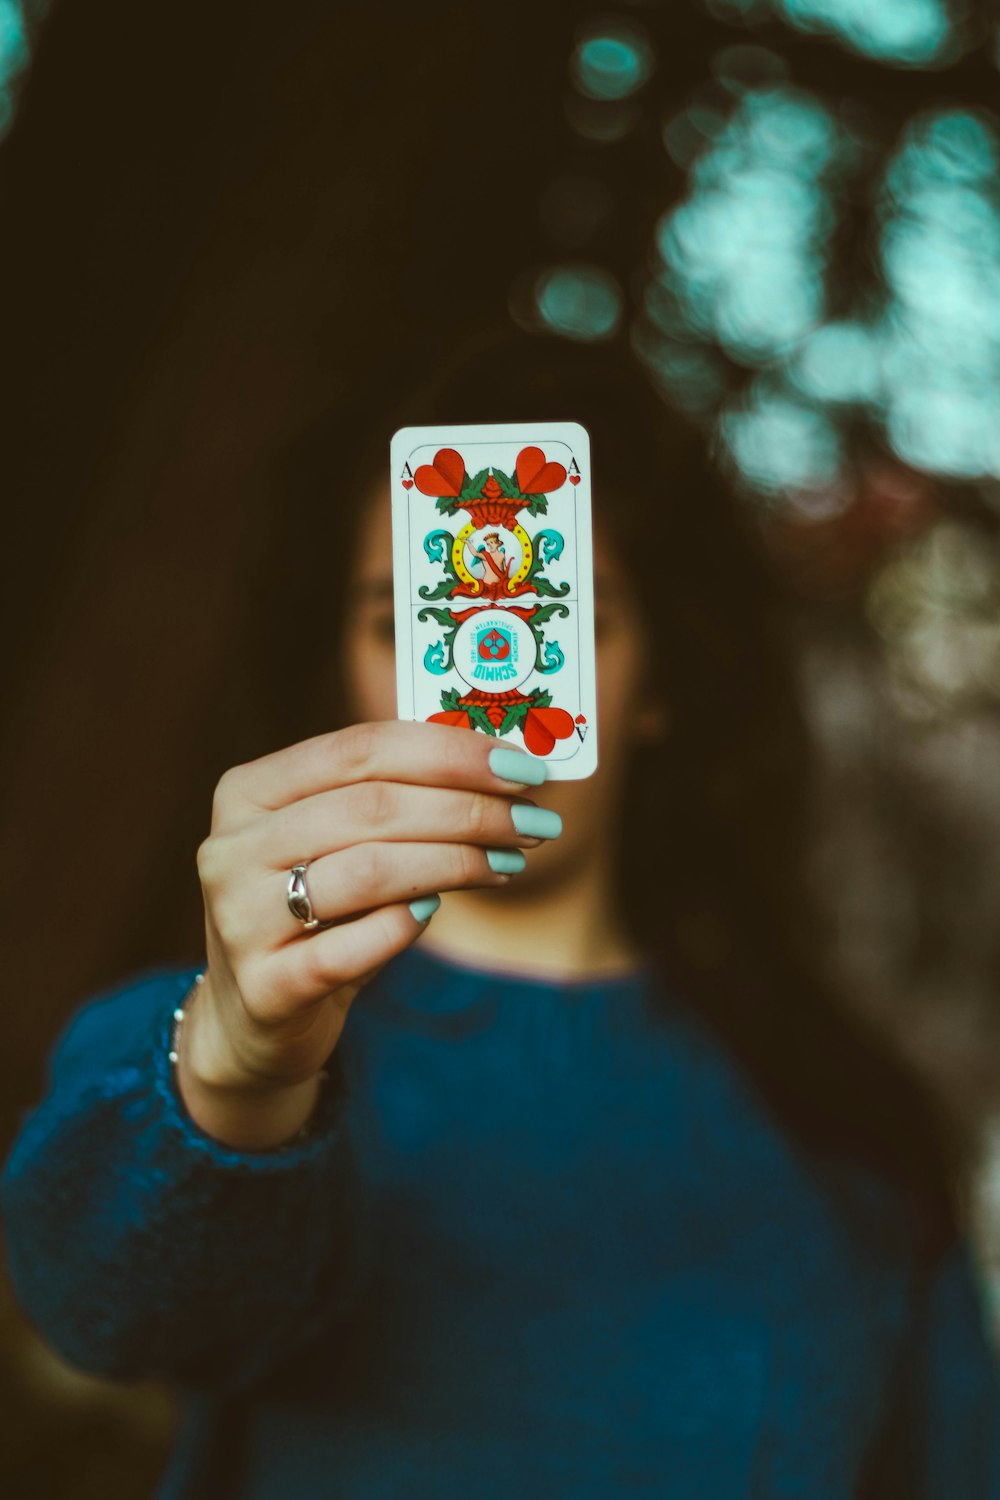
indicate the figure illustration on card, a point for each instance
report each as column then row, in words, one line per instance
column 489, row 561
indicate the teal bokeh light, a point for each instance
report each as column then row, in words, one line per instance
column 612, row 63
column 580, row 302
column 18, row 25
column 940, row 330
column 840, row 363
column 899, row 31
column 790, row 126
column 755, row 310
column 779, row 444
column 949, row 146
column 743, row 256
column 946, row 426
column 904, row 33
column 14, row 54
column 742, row 270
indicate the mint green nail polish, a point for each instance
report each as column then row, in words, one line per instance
column 515, row 765
column 424, row 908
column 536, row 822
column 506, row 861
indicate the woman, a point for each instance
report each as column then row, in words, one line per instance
column 573, row 1182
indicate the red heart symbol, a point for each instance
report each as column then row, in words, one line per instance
column 574, row 479
column 581, row 718
column 407, row 484
column 535, row 476
column 444, row 477
column 543, row 726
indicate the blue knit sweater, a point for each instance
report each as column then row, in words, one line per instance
column 546, row 1241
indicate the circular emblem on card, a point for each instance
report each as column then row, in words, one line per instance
column 494, row 651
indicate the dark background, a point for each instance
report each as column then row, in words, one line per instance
column 219, row 221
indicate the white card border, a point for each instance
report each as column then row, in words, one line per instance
column 574, row 435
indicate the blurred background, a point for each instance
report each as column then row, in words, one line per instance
column 219, row 219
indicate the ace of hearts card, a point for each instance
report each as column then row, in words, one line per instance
column 493, row 582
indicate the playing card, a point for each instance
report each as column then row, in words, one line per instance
column 494, row 585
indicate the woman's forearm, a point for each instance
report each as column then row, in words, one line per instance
column 139, row 1245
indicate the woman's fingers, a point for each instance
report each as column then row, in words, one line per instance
column 252, row 916
column 339, row 959
column 370, row 875
column 393, row 813
column 421, row 754
column 357, row 880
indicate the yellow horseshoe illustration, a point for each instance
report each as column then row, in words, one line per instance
column 475, row 584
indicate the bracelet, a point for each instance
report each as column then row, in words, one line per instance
column 306, row 1130
column 179, row 1015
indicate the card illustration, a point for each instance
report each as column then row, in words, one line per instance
column 494, row 587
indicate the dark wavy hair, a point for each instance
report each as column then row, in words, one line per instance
column 711, row 861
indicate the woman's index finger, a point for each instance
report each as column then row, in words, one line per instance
column 422, row 754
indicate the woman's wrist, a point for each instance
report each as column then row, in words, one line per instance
column 236, row 1109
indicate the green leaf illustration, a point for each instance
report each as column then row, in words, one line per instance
column 473, row 486
column 440, row 616
column 440, row 590
column 478, row 719
column 514, row 717
column 547, row 612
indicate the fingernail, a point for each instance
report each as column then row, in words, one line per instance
column 424, row 908
column 536, row 822
column 515, row 765
column 506, row 861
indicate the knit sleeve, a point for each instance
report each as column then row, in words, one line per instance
column 137, row 1244
column 941, row 1437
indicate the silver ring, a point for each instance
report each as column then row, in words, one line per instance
column 299, row 903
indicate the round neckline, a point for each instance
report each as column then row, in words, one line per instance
column 625, row 981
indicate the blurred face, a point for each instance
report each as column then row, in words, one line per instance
column 589, row 808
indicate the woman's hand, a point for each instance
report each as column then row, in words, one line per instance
column 383, row 814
